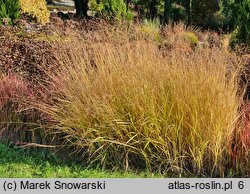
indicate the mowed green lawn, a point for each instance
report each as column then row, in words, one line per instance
column 19, row 163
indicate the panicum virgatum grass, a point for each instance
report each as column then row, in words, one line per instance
column 124, row 104
column 13, row 115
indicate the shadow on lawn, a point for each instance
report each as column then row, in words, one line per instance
column 16, row 162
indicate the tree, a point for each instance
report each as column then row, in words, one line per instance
column 81, row 8
column 241, row 17
column 167, row 11
column 152, row 9
column 203, row 9
column 189, row 8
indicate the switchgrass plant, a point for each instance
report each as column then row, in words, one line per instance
column 151, row 28
column 125, row 105
column 17, row 122
column 180, row 37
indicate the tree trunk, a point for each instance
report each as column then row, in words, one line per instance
column 152, row 9
column 189, row 6
column 81, row 8
column 167, row 11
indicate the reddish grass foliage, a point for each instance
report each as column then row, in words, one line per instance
column 240, row 144
column 12, row 87
column 13, row 113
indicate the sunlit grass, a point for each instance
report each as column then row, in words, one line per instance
column 121, row 102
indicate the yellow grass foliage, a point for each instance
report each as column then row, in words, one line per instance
column 124, row 104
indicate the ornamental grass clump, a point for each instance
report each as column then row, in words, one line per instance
column 14, row 115
column 128, row 106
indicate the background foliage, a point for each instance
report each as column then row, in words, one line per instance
column 36, row 9
column 242, row 23
column 10, row 10
column 111, row 9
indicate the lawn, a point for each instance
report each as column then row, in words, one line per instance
column 20, row 163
